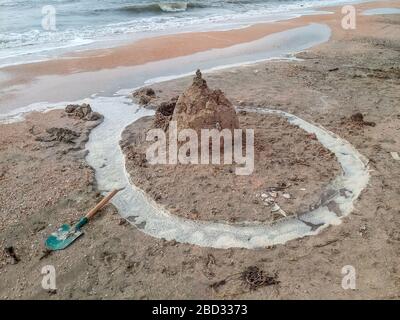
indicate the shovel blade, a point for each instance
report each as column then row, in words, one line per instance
column 63, row 237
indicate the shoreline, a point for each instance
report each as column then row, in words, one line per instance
column 105, row 64
column 122, row 40
column 281, row 45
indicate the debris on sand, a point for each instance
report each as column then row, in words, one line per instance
column 82, row 111
column 209, row 263
column 255, row 278
column 10, row 252
column 251, row 278
column 358, row 119
column 286, row 195
column 137, row 158
column 210, row 260
column 273, row 194
column 94, row 116
column 202, row 108
column 395, row 155
column 275, row 208
column 122, row 222
column 280, row 187
column 267, row 186
column 312, row 136
column 46, row 252
column 363, row 231
column 59, row 134
column 144, row 95
column 217, row 284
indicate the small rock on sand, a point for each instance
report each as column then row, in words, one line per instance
column 59, row 134
column 359, row 119
column 79, row 111
column 144, row 95
column 82, row 111
column 10, row 252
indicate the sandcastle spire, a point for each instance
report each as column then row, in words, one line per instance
column 198, row 79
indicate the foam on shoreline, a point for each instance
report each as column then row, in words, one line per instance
column 281, row 45
column 378, row 11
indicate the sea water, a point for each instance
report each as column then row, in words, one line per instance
column 25, row 34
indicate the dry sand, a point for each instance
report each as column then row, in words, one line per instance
column 119, row 261
column 287, row 162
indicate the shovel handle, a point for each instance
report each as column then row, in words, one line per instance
column 101, row 204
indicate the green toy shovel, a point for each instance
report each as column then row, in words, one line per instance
column 67, row 234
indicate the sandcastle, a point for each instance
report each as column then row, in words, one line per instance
column 198, row 107
column 291, row 167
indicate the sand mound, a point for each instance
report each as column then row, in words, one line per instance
column 286, row 159
column 198, row 108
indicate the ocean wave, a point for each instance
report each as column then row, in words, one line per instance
column 173, row 7
column 160, row 7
